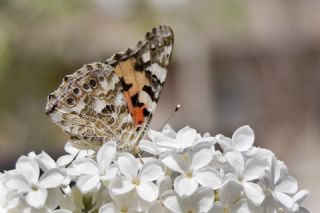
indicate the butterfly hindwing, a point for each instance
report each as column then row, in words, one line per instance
column 90, row 106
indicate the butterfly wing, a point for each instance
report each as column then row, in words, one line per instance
column 113, row 100
column 90, row 106
column 142, row 72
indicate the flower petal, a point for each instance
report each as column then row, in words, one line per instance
column 54, row 198
column 167, row 142
column 153, row 135
column 287, row 185
column 185, row 185
column 243, row 206
column 130, row 201
column 106, row 154
column 284, row 200
column 300, row 196
column 255, row 167
column 37, row 198
column 71, row 149
column 52, row 179
column 275, row 170
column 18, row 182
column 29, row 168
column 148, row 191
column 65, row 160
column 207, row 138
column 172, row 201
column 175, row 162
column 120, row 185
column 202, row 155
column 186, row 136
column 235, row 159
column 45, row 161
column 253, row 192
column 243, row 138
column 61, row 211
column 110, row 172
column 230, row 192
column 149, row 147
column 128, row 165
column 86, row 166
column 168, row 131
column 156, row 207
column 224, row 142
column 109, row 208
column 87, row 183
column 150, row 172
column 208, row 177
column 202, row 199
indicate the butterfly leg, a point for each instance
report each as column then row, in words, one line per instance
column 136, row 151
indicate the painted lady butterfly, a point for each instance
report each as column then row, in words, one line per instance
column 113, row 100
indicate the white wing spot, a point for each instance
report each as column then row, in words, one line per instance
column 146, row 56
column 158, row 71
column 119, row 100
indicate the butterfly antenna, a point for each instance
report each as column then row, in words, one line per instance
column 74, row 158
column 171, row 115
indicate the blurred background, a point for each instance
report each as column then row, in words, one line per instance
column 235, row 62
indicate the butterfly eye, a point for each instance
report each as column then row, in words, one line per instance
column 70, row 101
column 93, row 83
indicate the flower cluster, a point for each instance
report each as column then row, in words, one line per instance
column 175, row 172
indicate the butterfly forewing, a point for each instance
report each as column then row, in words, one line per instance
column 142, row 73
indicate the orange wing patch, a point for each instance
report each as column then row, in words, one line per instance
column 133, row 82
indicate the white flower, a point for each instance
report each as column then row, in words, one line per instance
column 73, row 200
column 96, row 172
column 200, row 201
column 298, row 198
column 157, row 207
column 3, row 191
column 229, row 194
column 206, row 138
column 129, row 202
column 231, row 200
column 192, row 167
column 28, row 182
column 169, row 140
column 242, row 140
column 246, row 172
column 8, row 199
column 74, row 154
column 135, row 178
column 278, row 187
column 182, row 172
column 46, row 163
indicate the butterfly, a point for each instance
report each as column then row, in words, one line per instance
column 114, row 100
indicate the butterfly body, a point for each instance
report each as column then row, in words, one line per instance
column 113, row 100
